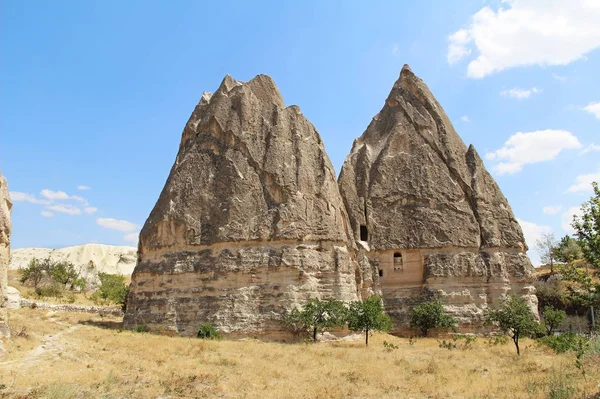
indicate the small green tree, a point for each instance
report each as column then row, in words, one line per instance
column 317, row 315
column 553, row 319
column 33, row 273
column 208, row 331
column 514, row 317
column 567, row 250
column 428, row 315
column 368, row 316
column 587, row 228
column 113, row 288
column 63, row 273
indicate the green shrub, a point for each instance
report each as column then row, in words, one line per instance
column 53, row 290
column 566, row 342
column 208, row 331
column 429, row 315
column 62, row 272
column 553, row 319
column 33, row 273
column 113, row 288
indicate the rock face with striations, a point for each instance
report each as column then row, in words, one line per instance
column 250, row 221
column 427, row 215
column 5, row 227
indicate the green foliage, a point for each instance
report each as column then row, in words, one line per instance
column 317, row 315
column 446, row 345
column 587, row 228
column 80, row 283
column 513, row 317
column 113, row 288
column 368, row 316
column 565, row 342
column 560, row 387
column 208, row 331
column 429, row 315
column 62, row 272
column 54, row 290
column 389, row 347
column 553, row 319
column 33, row 273
column 567, row 250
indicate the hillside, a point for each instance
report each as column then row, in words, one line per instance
column 103, row 258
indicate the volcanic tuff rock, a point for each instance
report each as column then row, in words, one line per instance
column 250, row 221
column 5, row 227
column 426, row 213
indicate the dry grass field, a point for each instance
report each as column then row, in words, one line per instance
column 75, row 355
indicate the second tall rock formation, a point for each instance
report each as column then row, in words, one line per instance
column 427, row 215
column 249, row 224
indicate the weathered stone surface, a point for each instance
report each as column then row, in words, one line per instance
column 5, row 228
column 427, row 214
column 250, row 221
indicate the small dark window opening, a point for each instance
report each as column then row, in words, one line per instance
column 398, row 265
column 380, row 273
column 364, row 233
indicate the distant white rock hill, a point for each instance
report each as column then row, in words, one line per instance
column 89, row 259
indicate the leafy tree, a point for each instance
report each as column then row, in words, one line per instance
column 546, row 245
column 317, row 315
column 553, row 319
column 113, row 288
column 567, row 250
column 368, row 316
column 33, row 273
column 428, row 315
column 587, row 228
column 514, row 317
column 208, row 331
column 63, row 272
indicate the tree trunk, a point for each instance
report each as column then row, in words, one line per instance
column 367, row 337
column 315, row 334
column 516, row 341
column 551, row 263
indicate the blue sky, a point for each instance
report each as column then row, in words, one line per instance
column 95, row 94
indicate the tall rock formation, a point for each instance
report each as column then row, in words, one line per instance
column 5, row 227
column 426, row 213
column 250, row 221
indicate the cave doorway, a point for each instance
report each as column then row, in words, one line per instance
column 364, row 233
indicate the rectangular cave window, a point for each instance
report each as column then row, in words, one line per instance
column 398, row 263
column 380, row 273
column 364, row 233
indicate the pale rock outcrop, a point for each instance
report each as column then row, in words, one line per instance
column 249, row 224
column 5, row 228
column 426, row 213
column 89, row 259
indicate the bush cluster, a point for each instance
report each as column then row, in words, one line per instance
column 50, row 278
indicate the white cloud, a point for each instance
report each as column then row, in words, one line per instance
column 465, row 119
column 54, row 195
column 520, row 93
column 561, row 79
column 593, row 108
column 552, row 210
column 458, row 49
column 17, row 196
column 527, row 32
column 90, row 209
column 567, row 219
column 529, row 148
column 132, row 237
column 120, row 225
column 394, row 52
column 47, row 214
column 532, row 233
column 584, row 182
column 590, row 148
column 65, row 208
column 83, row 188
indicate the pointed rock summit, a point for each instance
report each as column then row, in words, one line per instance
column 5, row 229
column 427, row 215
column 249, row 224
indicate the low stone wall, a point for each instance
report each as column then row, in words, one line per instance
column 101, row 310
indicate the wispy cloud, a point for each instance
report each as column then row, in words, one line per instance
column 17, row 196
column 115, row 224
column 552, row 210
column 583, row 183
column 531, row 147
column 591, row 148
column 593, row 108
column 520, row 94
column 90, row 210
column 83, row 188
column 47, row 214
column 65, row 208
column 465, row 119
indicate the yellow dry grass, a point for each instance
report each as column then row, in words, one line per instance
column 74, row 355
